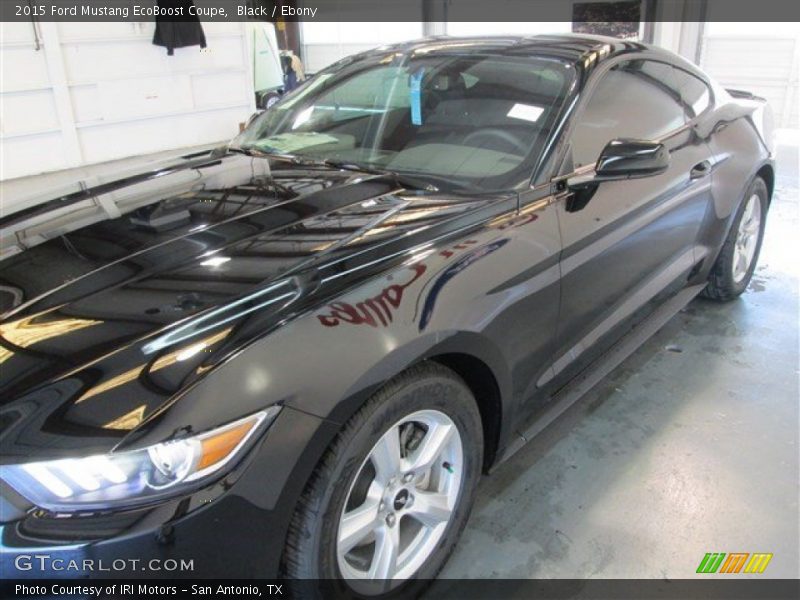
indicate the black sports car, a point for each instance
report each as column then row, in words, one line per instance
column 295, row 355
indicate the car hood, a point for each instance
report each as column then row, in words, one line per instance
column 118, row 297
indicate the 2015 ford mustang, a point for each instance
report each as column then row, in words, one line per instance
column 295, row 355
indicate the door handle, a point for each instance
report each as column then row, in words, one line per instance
column 700, row 170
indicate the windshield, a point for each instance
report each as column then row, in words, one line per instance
column 477, row 121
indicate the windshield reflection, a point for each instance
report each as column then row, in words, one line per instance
column 461, row 118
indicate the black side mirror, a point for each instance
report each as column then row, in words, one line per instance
column 625, row 159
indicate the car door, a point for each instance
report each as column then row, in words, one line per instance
column 633, row 240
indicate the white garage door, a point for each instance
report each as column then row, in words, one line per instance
column 761, row 58
column 76, row 93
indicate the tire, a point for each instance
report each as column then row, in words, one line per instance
column 268, row 99
column 346, row 477
column 726, row 282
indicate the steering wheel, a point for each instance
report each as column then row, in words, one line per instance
column 497, row 133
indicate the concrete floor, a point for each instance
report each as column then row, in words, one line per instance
column 690, row 446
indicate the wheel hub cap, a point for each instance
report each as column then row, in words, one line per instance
column 401, row 499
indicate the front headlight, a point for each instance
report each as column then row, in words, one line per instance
column 106, row 481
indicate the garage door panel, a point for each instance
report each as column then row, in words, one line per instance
column 24, row 68
column 742, row 57
column 19, row 153
column 16, row 33
column 88, row 30
column 16, row 107
column 131, row 98
column 139, row 58
column 102, row 142
column 763, row 64
column 214, row 89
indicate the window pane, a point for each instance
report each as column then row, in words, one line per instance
column 637, row 99
column 476, row 120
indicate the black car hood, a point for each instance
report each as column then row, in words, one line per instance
column 108, row 293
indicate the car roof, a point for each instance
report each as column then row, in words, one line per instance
column 584, row 50
column 570, row 46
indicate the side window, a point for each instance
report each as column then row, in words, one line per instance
column 636, row 99
column 695, row 94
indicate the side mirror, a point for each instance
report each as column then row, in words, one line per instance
column 625, row 159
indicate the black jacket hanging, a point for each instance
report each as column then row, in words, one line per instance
column 177, row 28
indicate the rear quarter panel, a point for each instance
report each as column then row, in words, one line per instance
column 738, row 153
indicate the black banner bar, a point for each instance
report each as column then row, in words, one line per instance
column 390, row 10
column 717, row 588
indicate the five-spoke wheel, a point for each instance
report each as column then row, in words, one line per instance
column 747, row 238
column 388, row 500
column 402, row 498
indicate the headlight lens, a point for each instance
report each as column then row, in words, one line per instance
column 126, row 478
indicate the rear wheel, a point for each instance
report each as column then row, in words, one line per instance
column 385, row 506
column 739, row 255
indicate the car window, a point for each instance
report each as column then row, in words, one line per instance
column 470, row 120
column 380, row 89
column 695, row 94
column 636, row 99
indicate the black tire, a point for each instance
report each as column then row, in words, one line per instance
column 722, row 286
column 310, row 551
column 268, row 99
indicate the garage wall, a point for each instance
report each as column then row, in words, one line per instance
column 469, row 28
column 91, row 94
column 758, row 57
column 325, row 43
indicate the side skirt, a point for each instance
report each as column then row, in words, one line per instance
column 592, row 375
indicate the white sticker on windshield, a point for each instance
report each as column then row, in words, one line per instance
column 526, row 112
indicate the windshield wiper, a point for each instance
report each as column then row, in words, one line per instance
column 404, row 179
column 294, row 158
column 247, row 151
column 264, row 151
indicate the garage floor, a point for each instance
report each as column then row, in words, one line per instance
column 690, row 446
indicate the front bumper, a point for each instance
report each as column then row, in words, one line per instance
column 234, row 528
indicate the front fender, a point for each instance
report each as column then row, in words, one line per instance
column 425, row 347
column 491, row 296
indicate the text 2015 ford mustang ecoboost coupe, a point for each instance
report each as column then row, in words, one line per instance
column 295, row 355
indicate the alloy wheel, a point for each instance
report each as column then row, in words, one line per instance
column 401, row 500
column 747, row 238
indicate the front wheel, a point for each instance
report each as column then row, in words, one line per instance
column 737, row 260
column 269, row 99
column 385, row 506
